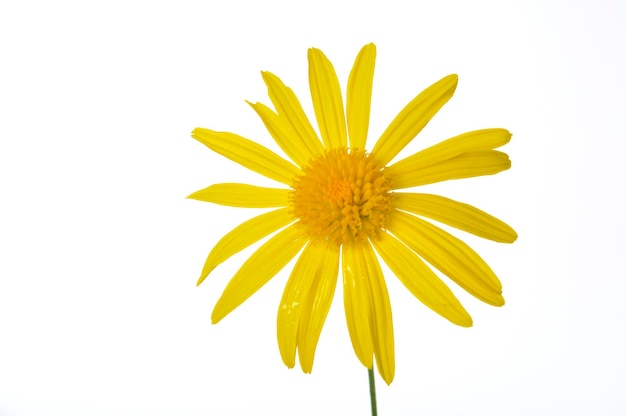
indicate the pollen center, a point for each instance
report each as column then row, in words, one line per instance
column 342, row 196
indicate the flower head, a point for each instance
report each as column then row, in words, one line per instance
column 341, row 205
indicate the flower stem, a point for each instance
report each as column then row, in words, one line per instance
column 370, row 373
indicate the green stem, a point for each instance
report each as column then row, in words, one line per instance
column 370, row 373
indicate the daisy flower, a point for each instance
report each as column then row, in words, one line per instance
column 340, row 206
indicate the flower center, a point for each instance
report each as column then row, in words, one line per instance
column 342, row 196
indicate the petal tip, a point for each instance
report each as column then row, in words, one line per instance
column 201, row 278
column 193, row 195
column 464, row 319
column 267, row 76
column 215, row 318
column 497, row 300
column 453, row 81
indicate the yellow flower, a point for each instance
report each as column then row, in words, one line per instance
column 342, row 202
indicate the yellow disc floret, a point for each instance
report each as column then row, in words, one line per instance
column 342, row 196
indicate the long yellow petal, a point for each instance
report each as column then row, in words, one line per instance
column 290, row 111
column 242, row 195
column 291, row 143
column 456, row 214
column 420, row 280
column 359, row 96
column 248, row 154
column 465, row 165
column 413, row 118
column 357, row 303
column 268, row 260
column 473, row 141
column 291, row 305
column 318, row 301
column 327, row 102
column 450, row 255
column 382, row 324
column 244, row 235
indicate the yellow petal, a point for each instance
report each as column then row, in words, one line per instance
column 290, row 111
column 242, row 195
column 465, row 165
column 327, row 102
column 448, row 254
column 420, row 280
column 291, row 143
column 456, row 214
column 359, row 96
column 243, row 235
column 318, row 301
column 290, row 308
column 382, row 324
column 413, row 118
column 357, row 306
column 268, row 260
column 248, row 154
column 473, row 141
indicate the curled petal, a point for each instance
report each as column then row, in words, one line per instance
column 357, row 303
column 382, row 325
column 291, row 305
column 318, row 302
column 305, row 303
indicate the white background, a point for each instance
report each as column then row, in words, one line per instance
column 100, row 250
